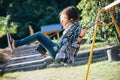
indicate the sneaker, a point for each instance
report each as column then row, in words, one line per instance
column 41, row 49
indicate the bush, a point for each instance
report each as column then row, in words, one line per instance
column 111, row 41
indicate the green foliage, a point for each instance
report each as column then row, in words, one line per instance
column 32, row 12
column 4, row 26
column 89, row 14
column 112, row 41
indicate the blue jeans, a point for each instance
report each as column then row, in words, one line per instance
column 49, row 45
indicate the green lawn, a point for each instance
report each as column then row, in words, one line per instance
column 88, row 46
column 103, row 70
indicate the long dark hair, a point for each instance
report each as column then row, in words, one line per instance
column 72, row 13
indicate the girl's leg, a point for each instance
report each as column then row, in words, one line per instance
column 50, row 46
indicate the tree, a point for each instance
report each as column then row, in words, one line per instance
column 4, row 26
column 89, row 14
column 4, row 29
column 33, row 13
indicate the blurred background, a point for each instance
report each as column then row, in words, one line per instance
column 17, row 15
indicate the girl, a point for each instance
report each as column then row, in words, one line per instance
column 68, row 44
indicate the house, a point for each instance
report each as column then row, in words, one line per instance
column 51, row 29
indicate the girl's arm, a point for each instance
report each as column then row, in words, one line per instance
column 82, row 34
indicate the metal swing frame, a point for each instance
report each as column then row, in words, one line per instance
column 108, row 8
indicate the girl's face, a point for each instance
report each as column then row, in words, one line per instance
column 64, row 20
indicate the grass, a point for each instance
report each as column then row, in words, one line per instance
column 103, row 70
column 88, row 46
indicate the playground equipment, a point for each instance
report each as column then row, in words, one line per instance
column 108, row 8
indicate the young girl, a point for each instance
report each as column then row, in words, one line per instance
column 68, row 44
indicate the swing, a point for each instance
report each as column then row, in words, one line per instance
column 107, row 8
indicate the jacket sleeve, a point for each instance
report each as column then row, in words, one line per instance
column 76, row 33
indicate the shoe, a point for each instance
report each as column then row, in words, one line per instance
column 41, row 49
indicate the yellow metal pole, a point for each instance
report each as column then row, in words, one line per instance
column 91, row 52
column 115, row 23
column 105, row 24
column 93, row 42
column 96, row 29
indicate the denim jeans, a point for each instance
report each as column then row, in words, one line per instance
column 49, row 45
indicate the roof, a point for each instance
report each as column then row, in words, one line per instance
column 51, row 27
